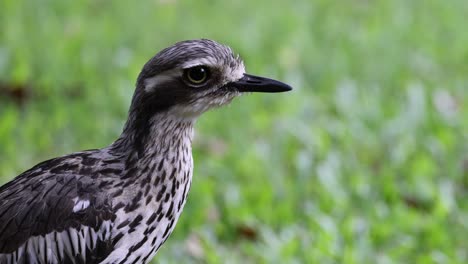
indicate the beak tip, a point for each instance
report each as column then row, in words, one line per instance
column 280, row 87
column 251, row 83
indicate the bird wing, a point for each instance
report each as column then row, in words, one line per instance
column 56, row 212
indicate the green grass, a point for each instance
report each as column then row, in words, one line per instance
column 366, row 161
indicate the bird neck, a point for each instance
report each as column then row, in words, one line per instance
column 160, row 134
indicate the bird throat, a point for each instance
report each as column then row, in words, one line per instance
column 159, row 158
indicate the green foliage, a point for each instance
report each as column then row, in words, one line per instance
column 364, row 162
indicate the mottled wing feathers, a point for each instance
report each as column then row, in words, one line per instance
column 51, row 199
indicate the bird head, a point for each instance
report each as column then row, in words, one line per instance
column 193, row 76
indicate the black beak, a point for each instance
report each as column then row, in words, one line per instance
column 251, row 83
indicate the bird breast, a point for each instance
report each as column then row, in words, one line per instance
column 146, row 217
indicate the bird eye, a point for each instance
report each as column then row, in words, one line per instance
column 196, row 75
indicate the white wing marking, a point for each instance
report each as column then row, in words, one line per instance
column 80, row 205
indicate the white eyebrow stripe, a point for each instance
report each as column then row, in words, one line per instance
column 163, row 77
column 201, row 61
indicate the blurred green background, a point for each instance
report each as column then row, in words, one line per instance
column 366, row 161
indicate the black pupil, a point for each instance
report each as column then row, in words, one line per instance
column 197, row 74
